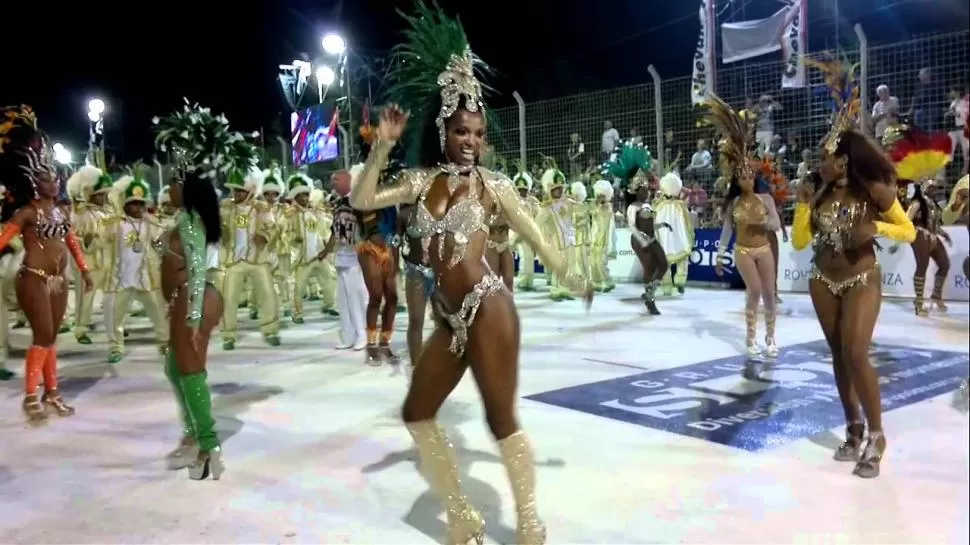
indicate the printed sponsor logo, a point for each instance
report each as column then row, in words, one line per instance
column 724, row 401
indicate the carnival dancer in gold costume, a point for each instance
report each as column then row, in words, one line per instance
column 602, row 236
column 279, row 252
column 678, row 239
column 557, row 219
column 477, row 321
column 581, row 222
column 749, row 216
column 527, row 257
column 91, row 213
column 918, row 158
column 132, row 266
column 248, row 226
column 309, row 232
column 856, row 204
column 30, row 211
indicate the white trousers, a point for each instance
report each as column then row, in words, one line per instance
column 352, row 299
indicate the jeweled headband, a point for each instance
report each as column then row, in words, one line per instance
column 458, row 80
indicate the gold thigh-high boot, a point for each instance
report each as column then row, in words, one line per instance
column 937, row 298
column 520, row 465
column 440, row 467
column 919, row 285
column 750, row 330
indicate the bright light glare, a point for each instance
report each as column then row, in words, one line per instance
column 334, row 44
column 325, row 75
column 61, row 154
column 94, row 116
column 96, row 106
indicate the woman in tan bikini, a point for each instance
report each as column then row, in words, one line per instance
column 751, row 217
column 30, row 211
column 477, row 323
column 856, row 204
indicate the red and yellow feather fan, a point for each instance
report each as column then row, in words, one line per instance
column 917, row 154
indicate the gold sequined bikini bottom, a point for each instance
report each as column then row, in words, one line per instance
column 55, row 282
column 840, row 287
column 459, row 322
column 498, row 247
column 751, row 250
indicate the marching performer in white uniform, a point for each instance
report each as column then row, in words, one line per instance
column 90, row 187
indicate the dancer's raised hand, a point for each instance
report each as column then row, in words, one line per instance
column 88, row 282
column 393, row 121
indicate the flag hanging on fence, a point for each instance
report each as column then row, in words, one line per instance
column 793, row 45
column 746, row 39
column 702, row 80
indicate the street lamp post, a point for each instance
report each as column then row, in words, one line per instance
column 96, row 108
column 335, row 46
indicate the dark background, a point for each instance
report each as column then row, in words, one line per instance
column 142, row 60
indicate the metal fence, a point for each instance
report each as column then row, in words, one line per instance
column 660, row 111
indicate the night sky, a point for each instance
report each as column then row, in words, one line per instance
column 142, row 60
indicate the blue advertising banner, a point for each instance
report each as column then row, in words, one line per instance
column 729, row 401
column 704, row 259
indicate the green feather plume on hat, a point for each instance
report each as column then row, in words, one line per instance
column 431, row 38
column 203, row 143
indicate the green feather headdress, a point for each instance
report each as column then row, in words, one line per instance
column 627, row 162
column 434, row 61
column 203, row 143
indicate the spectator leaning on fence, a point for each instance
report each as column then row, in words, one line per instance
column 958, row 111
column 882, row 110
column 575, row 152
column 611, row 137
column 765, row 123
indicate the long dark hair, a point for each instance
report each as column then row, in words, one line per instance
column 199, row 197
column 924, row 204
column 865, row 163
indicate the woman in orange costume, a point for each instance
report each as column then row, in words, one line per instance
column 30, row 211
column 856, row 203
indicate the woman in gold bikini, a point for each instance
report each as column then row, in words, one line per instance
column 856, row 204
column 477, row 323
column 751, row 216
column 30, row 211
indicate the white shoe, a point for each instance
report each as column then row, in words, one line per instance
column 343, row 346
column 360, row 344
column 754, row 350
column 771, row 350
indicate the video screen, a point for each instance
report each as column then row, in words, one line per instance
column 312, row 141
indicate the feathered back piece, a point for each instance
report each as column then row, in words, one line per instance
column 737, row 138
column 435, row 60
column 626, row 162
column 916, row 154
column 840, row 78
column 203, row 143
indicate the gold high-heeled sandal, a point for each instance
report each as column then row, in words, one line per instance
column 868, row 465
column 53, row 399
column 520, row 465
column 848, row 451
column 440, row 467
column 34, row 410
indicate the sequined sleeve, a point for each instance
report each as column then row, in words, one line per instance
column 897, row 227
column 192, row 234
column 727, row 228
column 521, row 222
column 801, row 229
column 404, row 187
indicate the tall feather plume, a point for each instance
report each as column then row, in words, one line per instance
column 431, row 38
column 737, row 136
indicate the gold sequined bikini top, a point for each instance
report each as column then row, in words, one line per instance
column 751, row 211
column 834, row 220
column 463, row 218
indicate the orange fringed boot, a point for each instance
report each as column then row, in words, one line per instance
column 52, row 396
